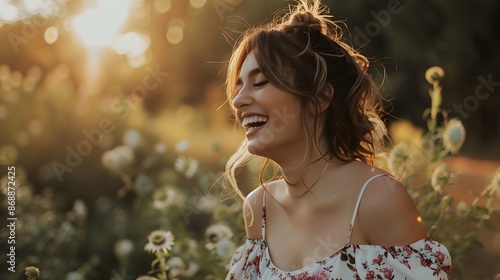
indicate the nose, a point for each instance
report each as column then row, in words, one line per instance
column 242, row 99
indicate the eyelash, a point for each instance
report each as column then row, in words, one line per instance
column 260, row 84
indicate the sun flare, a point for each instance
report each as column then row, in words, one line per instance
column 98, row 26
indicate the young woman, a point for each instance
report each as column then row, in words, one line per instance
column 310, row 109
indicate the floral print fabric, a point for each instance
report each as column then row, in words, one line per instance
column 424, row 259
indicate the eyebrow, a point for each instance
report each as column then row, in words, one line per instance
column 252, row 73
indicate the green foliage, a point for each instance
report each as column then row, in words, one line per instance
column 428, row 176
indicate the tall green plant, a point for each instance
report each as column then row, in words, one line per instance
column 422, row 165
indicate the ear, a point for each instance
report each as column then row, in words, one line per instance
column 325, row 97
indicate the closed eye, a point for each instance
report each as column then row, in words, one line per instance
column 261, row 84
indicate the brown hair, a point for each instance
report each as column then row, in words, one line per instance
column 302, row 52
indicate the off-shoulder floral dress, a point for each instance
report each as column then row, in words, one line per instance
column 422, row 260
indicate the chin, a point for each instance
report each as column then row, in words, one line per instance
column 256, row 148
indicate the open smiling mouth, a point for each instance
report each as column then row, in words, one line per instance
column 252, row 123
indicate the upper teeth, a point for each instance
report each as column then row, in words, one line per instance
column 247, row 122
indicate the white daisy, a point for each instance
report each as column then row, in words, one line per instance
column 216, row 233
column 159, row 241
column 399, row 159
column 188, row 166
column 118, row 159
column 192, row 269
column 225, row 249
column 166, row 196
column 132, row 138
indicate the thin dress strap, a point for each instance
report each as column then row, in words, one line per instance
column 264, row 215
column 357, row 204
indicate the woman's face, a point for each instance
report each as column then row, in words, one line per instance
column 270, row 116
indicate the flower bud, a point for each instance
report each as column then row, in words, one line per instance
column 32, row 273
column 123, row 248
column 119, row 159
column 441, row 177
column 463, row 209
column 132, row 138
column 434, row 74
column 453, row 136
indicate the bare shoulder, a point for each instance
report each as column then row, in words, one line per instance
column 387, row 214
column 252, row 212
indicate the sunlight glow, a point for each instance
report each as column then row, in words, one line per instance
column 33, row 6
column 98, row 27
column 135, row 46
column 132, row 43
column 8, row 12
column 13, row 11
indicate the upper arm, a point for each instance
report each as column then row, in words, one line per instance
column 388, row 215
column 252, row 212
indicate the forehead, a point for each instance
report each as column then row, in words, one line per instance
column 248, row 65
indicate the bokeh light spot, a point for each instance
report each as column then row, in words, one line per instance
column 132, row 43
column 8, row 12
column 33, row 6
column 175, row 31
column 35, row 127
column 22, row 138
column 197, row 3
column 175, row 34
column 136, row 61
column 51, row 34
column 16, row 78
column 163, row 6
column 34, row 73
column 8, row 154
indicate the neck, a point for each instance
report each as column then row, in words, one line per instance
column 301, row 179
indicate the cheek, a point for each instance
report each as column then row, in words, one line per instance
column 286, row 116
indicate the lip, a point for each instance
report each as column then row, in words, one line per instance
column 252, row 114
column 254, row 130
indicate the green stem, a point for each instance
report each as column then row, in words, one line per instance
column 476, row 200
column 441, row 215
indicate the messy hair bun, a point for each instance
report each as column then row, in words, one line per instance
column 306, row 18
